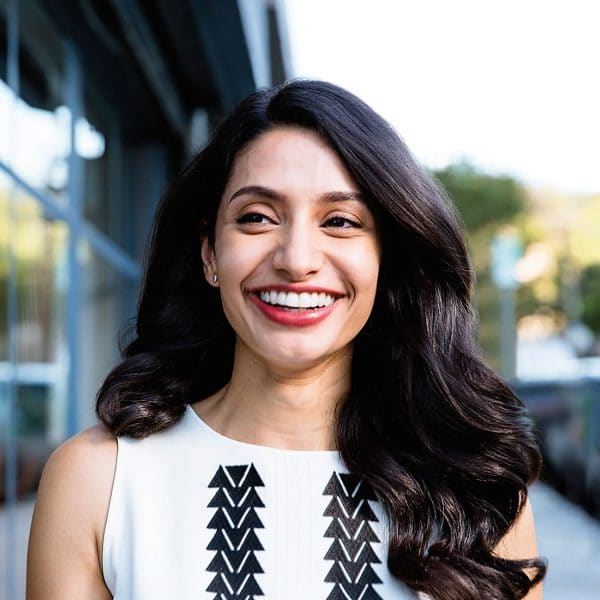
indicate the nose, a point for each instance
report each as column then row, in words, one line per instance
column 298, row 252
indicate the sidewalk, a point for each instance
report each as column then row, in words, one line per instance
column 570, row 539
column 23, row 512
column 567, row 536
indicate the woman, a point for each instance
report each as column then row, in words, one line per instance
column 303, row 411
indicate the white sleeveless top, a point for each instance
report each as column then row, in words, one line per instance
column 194, row 515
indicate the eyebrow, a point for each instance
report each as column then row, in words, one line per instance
column 259, row 190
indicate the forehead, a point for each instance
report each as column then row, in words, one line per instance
column 288, row 158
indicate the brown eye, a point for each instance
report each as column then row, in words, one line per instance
column 251, row 217
column 337, row 220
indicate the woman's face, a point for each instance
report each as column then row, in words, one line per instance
column 291, row 225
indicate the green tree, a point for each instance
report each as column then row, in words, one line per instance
column 482, row 199
column 590, row 296
column 486, row 203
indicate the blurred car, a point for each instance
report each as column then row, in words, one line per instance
column 567, row 418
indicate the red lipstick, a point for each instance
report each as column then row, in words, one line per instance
column 294, row 317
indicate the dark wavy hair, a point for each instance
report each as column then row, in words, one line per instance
column 443, row 441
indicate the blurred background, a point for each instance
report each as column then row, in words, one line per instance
column 102, row 101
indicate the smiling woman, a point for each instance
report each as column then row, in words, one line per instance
column 309, row 234
column 305, row 345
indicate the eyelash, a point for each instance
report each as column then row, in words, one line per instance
column 353, row 224
column 243, row 220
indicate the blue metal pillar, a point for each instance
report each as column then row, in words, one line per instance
column 12, row 70
column 73, row 304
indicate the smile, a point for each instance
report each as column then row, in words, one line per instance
column 298, row 316
column 295, row 300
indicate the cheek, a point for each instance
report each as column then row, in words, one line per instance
column 362, row 263
column 238, row 258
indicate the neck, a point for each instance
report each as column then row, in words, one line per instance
column 277, row 405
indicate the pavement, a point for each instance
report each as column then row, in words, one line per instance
column 567, row 536
column 15, row 557
column 570, row 539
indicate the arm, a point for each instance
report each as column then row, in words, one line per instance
column 520, row 542
column 64, row 552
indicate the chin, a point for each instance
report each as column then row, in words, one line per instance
column 300, row 357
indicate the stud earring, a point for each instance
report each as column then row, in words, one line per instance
column 215, row 278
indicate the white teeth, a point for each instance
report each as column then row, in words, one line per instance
column 294, row 300
column 305, row 300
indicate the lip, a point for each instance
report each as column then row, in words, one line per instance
column 292, row 318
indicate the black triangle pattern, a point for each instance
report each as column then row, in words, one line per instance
column 352, row 535
column 235, row 541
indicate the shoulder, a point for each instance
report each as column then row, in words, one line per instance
column 92, row 443
column 71, row 507
column 520, row 543
column 520, row 540
column 85, row 466
column 86, row 459
column 83, row 458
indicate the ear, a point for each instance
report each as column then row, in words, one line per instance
column 208, row 260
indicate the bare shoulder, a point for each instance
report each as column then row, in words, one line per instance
column 521, row 542
column 70, row 512
column 88, row 461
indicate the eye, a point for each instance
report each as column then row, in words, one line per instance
column 353, row 224
column 251, row 217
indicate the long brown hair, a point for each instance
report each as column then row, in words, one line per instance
column 442, row 440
